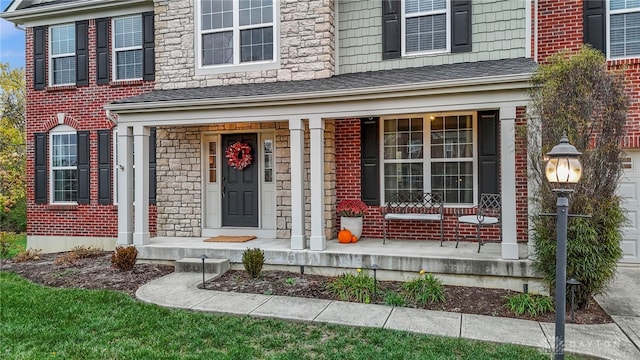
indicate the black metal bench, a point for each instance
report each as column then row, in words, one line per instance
column 416, row 207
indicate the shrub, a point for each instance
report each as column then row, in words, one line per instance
column 123, row 258
column 531, row 304
column 578, row 96
column 78, row 252
column 393, row 299
column 15, row 220
column 423, row 290
column 253, row 260
column 349, row 287
column 28, row 255
column 8, row 244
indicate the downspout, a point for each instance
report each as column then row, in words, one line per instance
column 535, row 31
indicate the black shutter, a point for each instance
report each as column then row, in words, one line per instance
column 488, row 152
column 148, row 54
column 594, row 13
column 460, row 26
column 102, row 51
column 152, row 166
column 369, row 162
column 40, row 168
column 39, row 58
column 391, row 34
column 82, row 53
column 104, row 167
column 84, row 173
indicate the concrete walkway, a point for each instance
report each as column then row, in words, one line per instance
column 609, row 341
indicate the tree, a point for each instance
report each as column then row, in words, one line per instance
column 12, row 149
column 576, row 95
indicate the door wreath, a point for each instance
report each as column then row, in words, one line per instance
column 239, row 155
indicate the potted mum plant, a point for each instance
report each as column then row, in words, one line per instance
column 351, row 213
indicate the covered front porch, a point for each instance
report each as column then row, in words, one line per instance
column 313, row 126
column 397, row 259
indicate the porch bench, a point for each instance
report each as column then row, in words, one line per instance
column 414, row 207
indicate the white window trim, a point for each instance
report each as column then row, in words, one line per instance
column 51, row 56
column 201, row 69
column 446, row 12
column 114, row 51
column 426, row 158
column 59, row 130
column 608, row 30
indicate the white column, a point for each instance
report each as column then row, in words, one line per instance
column 141, row 218
column 296, row 146
column 316, row 128
column 125, row 185
column 508, row 176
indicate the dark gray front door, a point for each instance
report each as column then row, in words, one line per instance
column 240, row 187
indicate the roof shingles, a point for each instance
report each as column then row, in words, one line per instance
column 427, row 74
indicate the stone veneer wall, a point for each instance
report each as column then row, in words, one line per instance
column 306, row 45
column 179, row 177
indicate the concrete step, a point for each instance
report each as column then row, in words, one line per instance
column 211, row 266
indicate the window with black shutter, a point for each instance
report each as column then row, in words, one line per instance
column 40, row 155
column 39, row 57
column 84, row 170
column 82, row 53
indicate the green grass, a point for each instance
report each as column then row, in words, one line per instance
column 37, row 322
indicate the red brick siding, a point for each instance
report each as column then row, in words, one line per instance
column 522, row 201
column 348, row 187
column 83, row 107
column 559, row 27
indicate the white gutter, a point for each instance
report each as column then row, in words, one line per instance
column 493, row 83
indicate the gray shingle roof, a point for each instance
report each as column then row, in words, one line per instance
column 373, row 79
column 33, row 4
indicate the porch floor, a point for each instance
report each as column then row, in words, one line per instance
column 397, row 259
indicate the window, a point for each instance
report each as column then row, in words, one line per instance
column 624, row 28
column 236, row 32
column 430, row 154
column 127, row 47
column 268, row 160
column 213, row 161
column 63, row 57
column 425, row 27
column 64, row 165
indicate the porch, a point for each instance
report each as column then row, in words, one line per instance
column 397, row 260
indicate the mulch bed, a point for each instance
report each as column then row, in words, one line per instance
column 97, row 273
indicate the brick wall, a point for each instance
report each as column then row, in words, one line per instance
column 348, row 187
column 83, row 109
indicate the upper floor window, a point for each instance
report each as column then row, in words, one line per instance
column 64, row 165
column 425, row 26
column 62, row 54
column 624, row 28
column 236, row 32
column 127, row 47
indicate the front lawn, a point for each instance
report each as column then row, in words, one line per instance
column 38, row 322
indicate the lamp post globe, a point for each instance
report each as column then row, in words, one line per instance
column 563, row 170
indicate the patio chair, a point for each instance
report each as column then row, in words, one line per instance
column 487, row 213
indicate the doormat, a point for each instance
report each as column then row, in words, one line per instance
column 223, row 238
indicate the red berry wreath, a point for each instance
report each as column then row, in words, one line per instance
column 238, row 155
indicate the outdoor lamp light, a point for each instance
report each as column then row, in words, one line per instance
column 563, row 170
column 563, row 167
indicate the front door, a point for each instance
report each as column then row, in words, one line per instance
column 240, row 187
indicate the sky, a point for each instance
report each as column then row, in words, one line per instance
column 11, row 41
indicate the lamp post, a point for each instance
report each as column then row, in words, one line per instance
column 563, row 170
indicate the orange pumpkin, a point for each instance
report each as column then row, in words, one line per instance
column 344, row 236
column 354, row 238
